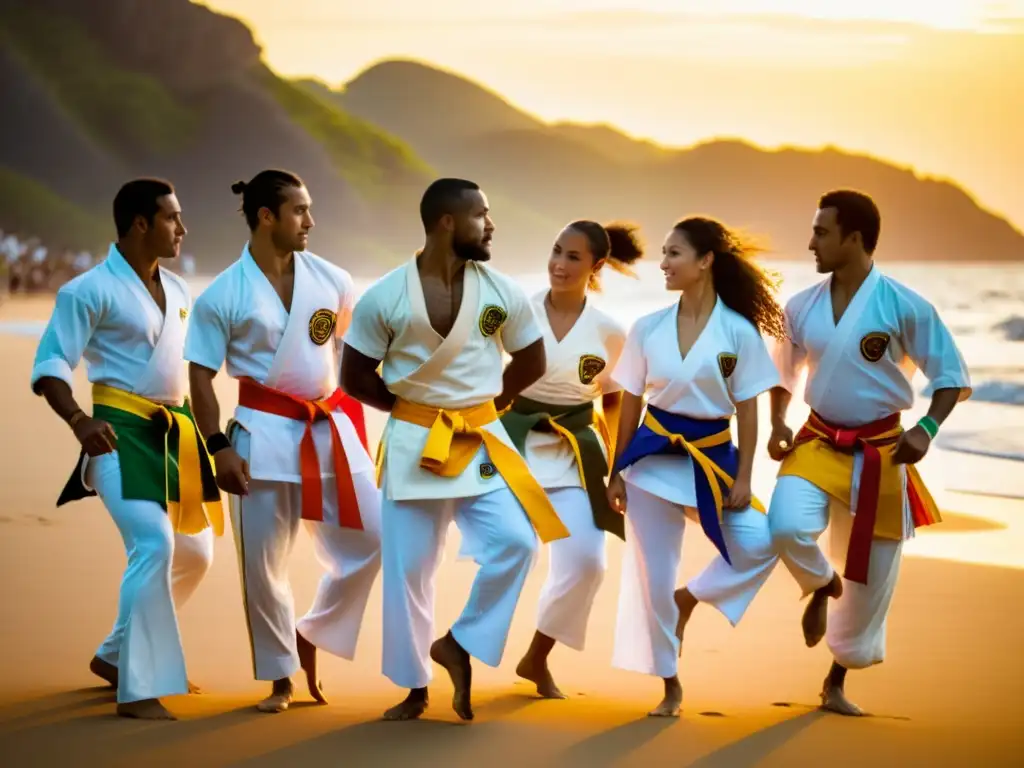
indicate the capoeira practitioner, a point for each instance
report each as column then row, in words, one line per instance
column 860, row 335
column 566, row 441
column 698, row 362
column 440, row 324
column 296, row 448
column 141, row 453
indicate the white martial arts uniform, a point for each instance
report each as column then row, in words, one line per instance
column 107, row 317
column 464, row 369
column 848, row 389
column 240, row 321
column 578, row 371
column 661, row 491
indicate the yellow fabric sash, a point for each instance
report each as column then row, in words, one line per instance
column 191, row 514
column 701, row 461
column 454, row 439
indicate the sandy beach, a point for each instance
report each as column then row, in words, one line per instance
column 948, row 694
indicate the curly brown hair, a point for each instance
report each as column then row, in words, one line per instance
column 743, row 285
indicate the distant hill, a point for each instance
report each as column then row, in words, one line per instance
column 566, row 170
column 100, row 91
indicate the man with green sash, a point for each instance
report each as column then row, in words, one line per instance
column 140, row 450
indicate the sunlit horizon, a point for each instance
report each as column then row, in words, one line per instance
column 935, row 87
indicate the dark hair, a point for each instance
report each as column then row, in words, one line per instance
column 443, row 197
column 138, row 197
column 855, row 212
column 742, row 285
column 264, row 190
column 618, row 242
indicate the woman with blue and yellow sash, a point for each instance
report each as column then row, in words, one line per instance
column 697, row 363
column 564, row 438
column 140, row 450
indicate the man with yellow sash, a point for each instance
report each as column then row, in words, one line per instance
column 141, row 452
column 437, row 328
column 860, row 336
column 294, row 455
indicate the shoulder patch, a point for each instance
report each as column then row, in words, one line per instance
column 589, row 367
column 491, row 319
column 873, row 345
column 727, row 364
column 321, row 325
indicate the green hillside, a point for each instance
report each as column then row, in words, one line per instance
column 30, row 208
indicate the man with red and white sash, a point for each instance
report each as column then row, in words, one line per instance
column 296, row 448
column 860, row 335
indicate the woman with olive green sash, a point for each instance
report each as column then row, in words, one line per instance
column 564, row 438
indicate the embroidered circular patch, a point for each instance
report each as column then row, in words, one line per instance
column 491, row 319
column 873, row 346
column 321, row 325
column 589, row 367
column 727, row 364
column 487, row 471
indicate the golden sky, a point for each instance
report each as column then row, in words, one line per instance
column 936, row 84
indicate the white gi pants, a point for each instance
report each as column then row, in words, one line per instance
column 504, row 545
column 645, row 639
column 164, row 568
column 798, row 515
column 575, row 571
column 265, row 524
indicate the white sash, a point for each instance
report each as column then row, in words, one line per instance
column 444, row 350
column 822, row 374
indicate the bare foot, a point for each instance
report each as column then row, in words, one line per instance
column 833, row 699
column 307, row 660
column 280, row 697
column 104, row 670
column 147, row 709
column 453, row 657
column 414, row 705
column 536, row 671
column 815, row 619
column 685, row 602
column 673, row 701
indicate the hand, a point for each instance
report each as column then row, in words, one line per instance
column 739, row 494
column 781, row 442
column 232, row 472
column 97, row 437
column 617, row 494
column 912, row 446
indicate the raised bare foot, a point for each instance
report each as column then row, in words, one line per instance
column 815, row 619
column 685, row 602
column 104, row 670
column 280, row 697
column 307, row 660
column 673, row 701
column 414, row 705
column 454, row 658
column 537, row 672
column 834, row 699
column 147, row 709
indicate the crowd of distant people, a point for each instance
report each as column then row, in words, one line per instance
column 29, row 266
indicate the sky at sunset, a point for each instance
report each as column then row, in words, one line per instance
column 936, row 85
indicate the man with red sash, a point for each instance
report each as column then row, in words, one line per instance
column 296, row 448
column 861, row 336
